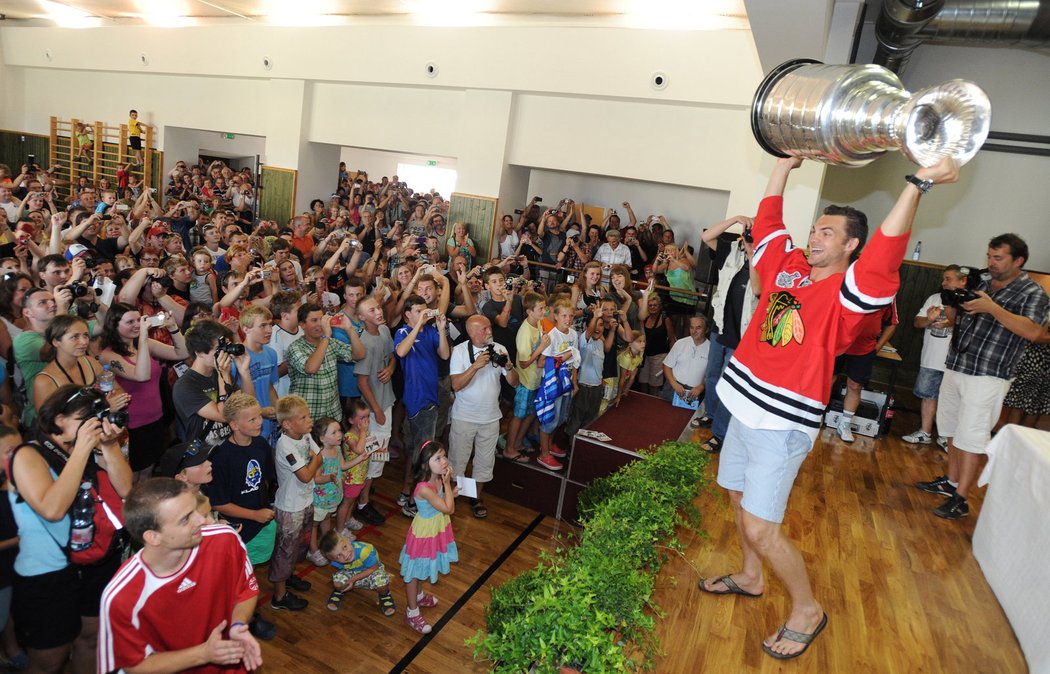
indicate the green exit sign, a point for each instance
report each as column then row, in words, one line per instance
column 432, row 163
column 229, row 136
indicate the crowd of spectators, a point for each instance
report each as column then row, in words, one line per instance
column 171, row 332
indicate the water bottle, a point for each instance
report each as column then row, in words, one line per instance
column 917, row 253
column 82, row 532
column 105, row 381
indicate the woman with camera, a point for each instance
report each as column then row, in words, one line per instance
column 67, row 339
column 66, row 486
column 678, row 264
column 135, row 360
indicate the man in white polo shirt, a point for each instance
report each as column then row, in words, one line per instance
column 685, row 365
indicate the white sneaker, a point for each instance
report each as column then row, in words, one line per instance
column 353, row 524
column 919, row 437
column 845, row 432
column 942, row 442
column 317, row 558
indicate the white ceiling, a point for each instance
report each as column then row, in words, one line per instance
column 265, row 10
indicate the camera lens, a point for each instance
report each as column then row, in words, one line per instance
column 119, row 418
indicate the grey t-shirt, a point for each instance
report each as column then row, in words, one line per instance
column 379, row 349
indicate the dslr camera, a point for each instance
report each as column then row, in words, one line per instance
column 229, row 347
column 100, row 410
column 496, row 358
column 81, row 289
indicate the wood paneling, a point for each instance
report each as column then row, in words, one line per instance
column 16, row 146
column 277, row 194
column 901, row 587
column 479, row 214
column 918, row 281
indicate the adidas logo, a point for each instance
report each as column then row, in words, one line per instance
column 186, row 584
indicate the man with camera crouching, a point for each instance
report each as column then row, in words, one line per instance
column 476, row 367
column 199, row 395
column 993, row 322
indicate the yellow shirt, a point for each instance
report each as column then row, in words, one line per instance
column 526, row 341
column 133, row 127
column 629, row 361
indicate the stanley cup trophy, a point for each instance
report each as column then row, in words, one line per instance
column 851, row 114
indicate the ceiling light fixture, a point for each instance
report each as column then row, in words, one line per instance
column 165, row 13
column 451, row 12
column 69, row 17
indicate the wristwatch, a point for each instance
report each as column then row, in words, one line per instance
column 922, row 185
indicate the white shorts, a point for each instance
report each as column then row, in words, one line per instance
column 968, row 407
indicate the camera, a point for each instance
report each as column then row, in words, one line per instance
column 157, row 320
column 100, row 410
column 311, row 287
column 747, row 236
column 497, row 358
column 518, row 211
column 266, row 274
column 957, row 297
column 79, row 290
column 84, row 309
column 226, row 346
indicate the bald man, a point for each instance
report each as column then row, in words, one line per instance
column 476, row 367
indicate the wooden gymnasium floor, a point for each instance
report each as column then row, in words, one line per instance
column 901, row 587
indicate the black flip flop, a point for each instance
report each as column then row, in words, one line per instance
column 520, row 458
column 797, row 637
column 731, row 588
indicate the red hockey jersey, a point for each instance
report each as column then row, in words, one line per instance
column 780, row 376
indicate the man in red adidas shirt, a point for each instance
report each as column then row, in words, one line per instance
column 778, row 381
column 182, row 602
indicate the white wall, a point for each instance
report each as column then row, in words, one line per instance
column 688, row 209
column 998, row 192
column 187, row 144
column 379, row 163
column 584, row 106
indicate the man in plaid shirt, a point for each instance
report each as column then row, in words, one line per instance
column 990, row 335
column 312, row 363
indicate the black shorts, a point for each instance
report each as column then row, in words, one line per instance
column 135, row 142
column 47, row 608
column 857, row 368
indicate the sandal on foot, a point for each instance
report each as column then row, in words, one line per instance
column 418, row 623
column 479, row 510
column 712, row 446
column 427, row 601
column 731, row 587
column 700, row 422
column 797, row 637
column 386, row 604
column 335, row 600
column 517, row 458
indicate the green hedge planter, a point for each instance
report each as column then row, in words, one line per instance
column 589, row 606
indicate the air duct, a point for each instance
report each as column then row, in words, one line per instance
column 905, row 24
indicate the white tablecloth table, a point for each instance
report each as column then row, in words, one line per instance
column 1012, row 538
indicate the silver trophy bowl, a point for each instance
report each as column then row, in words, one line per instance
column 851, row 114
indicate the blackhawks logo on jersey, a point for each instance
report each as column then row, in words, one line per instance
column 783, row 322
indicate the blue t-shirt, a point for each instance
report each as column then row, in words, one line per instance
column 345, row 371
column 420, row 368
column 592, row 358
column 264, row 375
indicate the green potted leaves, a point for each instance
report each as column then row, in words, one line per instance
column 588, row 606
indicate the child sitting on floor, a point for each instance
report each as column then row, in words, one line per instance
column 360, row 569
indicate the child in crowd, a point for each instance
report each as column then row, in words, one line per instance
column 257, row 327
column 328, row 483
column 629, row 360
column 561, row 353
column 429, row 547
column 242, row 472
column 617, row 335
column 284, row 307
column 530, row 342
column 298, row 459
column 360, row 568
column 202, row 286
column 374, row 373
column 358, row 446
column 588, row 398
